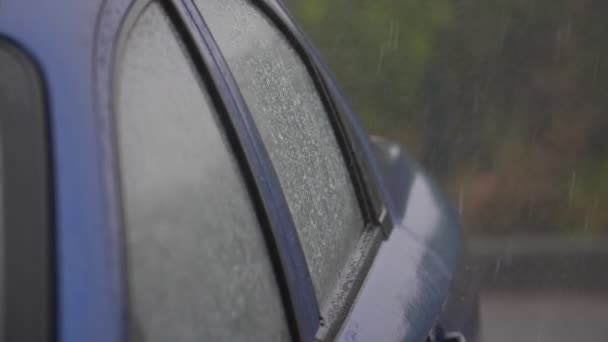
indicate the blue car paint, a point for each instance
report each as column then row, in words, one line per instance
column 59, row 36
column 409, row 279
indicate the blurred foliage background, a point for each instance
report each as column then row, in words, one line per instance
column 503, row 101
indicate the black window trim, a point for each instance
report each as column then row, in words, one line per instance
column 29, row 290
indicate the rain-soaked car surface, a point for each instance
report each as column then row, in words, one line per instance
column 188, row 170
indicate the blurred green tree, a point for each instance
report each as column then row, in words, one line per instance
column 501, row 100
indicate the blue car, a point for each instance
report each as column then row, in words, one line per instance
column 187, row 170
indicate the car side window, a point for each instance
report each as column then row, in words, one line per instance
column 297, row 132
column 198, row 265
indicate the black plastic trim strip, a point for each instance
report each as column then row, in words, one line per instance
column 28, row 278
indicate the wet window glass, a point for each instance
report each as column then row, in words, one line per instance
column 198, row 265
column 503, row 103
column 297, row 132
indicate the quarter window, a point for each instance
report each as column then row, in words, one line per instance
column 297, row 132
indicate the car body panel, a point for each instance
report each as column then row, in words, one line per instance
column 409, row 281
column 59, row 36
